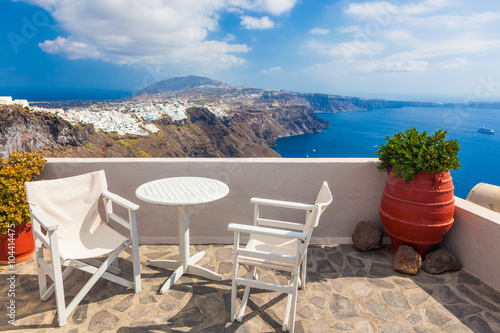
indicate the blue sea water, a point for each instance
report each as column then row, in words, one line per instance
column 360, row 133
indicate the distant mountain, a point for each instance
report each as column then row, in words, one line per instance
column 179, row 83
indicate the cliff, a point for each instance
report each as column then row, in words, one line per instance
column 242, row 134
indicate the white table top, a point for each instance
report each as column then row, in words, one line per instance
column 182, row 191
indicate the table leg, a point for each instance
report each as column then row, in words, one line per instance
column 186, row 264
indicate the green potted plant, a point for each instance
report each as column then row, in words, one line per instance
column 16, row 239
column 418, row 204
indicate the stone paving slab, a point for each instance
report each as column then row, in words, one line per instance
column 347, row 291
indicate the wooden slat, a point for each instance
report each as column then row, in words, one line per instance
column 264, row 285
column 280, row 224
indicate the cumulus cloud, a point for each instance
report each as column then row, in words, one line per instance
column 249, row 22
column 319, row 31
column 150, row 32
column 271, row 70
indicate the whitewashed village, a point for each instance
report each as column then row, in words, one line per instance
column 126, row 117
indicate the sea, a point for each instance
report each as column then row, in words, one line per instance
column 360, row 134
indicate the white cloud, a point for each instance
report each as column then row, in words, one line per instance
column 150, row 32
column 383, row 10
column 271, row 70
column 229, row 38
column 319, row 31
column 398, row 35
column 454, row 63
column 275, row 7
column 250, row 22
column 346, row 49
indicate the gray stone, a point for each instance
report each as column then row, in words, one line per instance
column 407, row 260
column 192, row 317
column 342, row 307
column 421, row 330
column 344, row 326
column 395, row 298
column 360, row 273
column 355, row 262
column 147, row 299
column 80, row 314
column 140, row 313
column 317, row 301
column 437, row 317
column 367, row 236
column 419, row 297
column 103, row 320
column 381, row 283
column 347, row 272
column 124, row 304
column 440, row 261
column 378, row 309
column 225, row 267
column 464, row 277
column 361, row 289
column 364, row 327
column 224, row 253
column 305, row 312
column 393, row 328
column 457, row 328
column 448, row 296
column 462, row 310
column 478, row 300
column 414, row 319
column 324, row 266
column 477, row 324
column 381, row 270
column 167, row 306
column 337, row 258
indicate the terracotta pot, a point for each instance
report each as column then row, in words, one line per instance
column 23, row 245
column 418, row 213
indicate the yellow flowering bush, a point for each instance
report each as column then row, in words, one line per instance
column 14, row 172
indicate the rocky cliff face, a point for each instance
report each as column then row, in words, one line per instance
column 245, row 133
column 21, row 130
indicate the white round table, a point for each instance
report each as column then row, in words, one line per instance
column 182, row 192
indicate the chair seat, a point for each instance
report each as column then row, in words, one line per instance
column 101, row 241
column 271, row 244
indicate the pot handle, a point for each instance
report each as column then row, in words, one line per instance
column 438, row 180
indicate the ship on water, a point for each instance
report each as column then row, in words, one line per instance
column 486, row 130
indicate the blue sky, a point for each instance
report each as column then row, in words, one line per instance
column 421, row 50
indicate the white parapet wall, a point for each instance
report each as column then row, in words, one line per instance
column 356, row 184
column 474, row 239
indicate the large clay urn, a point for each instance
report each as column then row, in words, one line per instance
column 19, row 247
column 418, row 213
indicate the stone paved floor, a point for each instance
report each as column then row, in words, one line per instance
column 347, row 291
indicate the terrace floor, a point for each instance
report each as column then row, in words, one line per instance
column 347, row 291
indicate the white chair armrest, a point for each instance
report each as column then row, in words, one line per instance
column 251, row 229
column 282, row 204
column 46, row 222
column 120, row 201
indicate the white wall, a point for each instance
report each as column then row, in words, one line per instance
column 356, row 185
column 474, row 239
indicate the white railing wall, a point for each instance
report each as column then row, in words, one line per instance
column 356, row 184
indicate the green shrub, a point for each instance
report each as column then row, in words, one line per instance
column 411, row 152
column 19, row 168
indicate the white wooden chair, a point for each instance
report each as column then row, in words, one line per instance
column 278, row 245
column 65, row 218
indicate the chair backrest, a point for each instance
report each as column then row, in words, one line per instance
column 323, row 199
column 72, row 203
